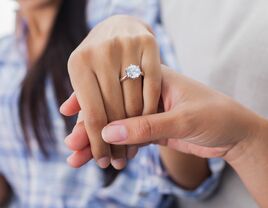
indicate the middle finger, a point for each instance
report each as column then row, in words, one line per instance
column 114, row 106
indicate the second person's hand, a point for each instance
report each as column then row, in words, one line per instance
column 196, row 120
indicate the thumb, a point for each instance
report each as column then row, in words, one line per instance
column 139, row 130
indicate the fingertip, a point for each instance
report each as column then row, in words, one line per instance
column 119, row 164
column 79, row 158
column 69, row 142
column 78, row 139
column 63, row 109
column 71, row 162
column 104, row 162
column 70, row 107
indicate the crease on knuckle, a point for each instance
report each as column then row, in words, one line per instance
column 148, row 39
column 145, row 129
column 78, row 59
column 96, row 121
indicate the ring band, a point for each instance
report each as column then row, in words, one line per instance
column 132, row 72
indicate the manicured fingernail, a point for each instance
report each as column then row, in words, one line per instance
column 114, row 133
column 119, row 164
column 104, row 162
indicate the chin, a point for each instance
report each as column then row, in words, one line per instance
column 35, row 4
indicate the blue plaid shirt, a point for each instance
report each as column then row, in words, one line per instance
column 52, row 183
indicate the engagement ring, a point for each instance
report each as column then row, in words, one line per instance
column 132, row 72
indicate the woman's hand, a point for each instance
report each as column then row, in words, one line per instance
column 95, row 68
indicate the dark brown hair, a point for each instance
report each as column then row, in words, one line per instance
column 68, row 31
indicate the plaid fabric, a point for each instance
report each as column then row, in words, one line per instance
column 39, row 183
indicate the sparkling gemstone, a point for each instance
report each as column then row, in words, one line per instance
column 133, row 72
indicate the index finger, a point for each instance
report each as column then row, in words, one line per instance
column 89, row 96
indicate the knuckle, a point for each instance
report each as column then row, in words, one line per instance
column 72, row 60
column 148, row 39
column 144, row 129
column 106, row 52
column 96, row 121
column 126, row 42
column 77, row 59
column 109, row 47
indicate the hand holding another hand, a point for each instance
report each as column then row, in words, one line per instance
column 196, row 120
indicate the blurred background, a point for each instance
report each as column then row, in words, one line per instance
column 7, row 16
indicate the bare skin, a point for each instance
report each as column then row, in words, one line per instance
column 186, row 170
column 40, row 16
column 206, row 123
column 200, row 121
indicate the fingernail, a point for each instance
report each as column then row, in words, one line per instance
column 104, row 162
column 114, row 133
column 119, row 164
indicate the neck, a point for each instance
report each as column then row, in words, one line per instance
column 39, row 23
column 40, row 19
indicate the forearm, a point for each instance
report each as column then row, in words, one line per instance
column 252, row 164
column 186, row 170
column 5, row 192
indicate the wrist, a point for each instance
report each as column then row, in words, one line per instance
column 252, row 164
column 187, row 171
column 257, row 145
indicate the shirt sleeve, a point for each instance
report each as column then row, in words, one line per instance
column 166, row 186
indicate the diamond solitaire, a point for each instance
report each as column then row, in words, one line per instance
column 132, row 72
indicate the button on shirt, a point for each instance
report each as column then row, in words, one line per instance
column 39, row 183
